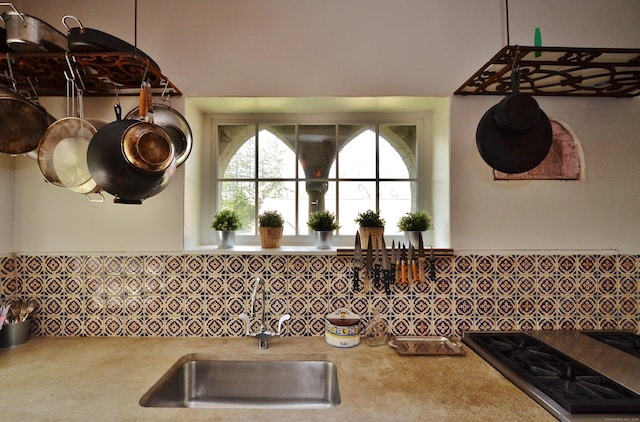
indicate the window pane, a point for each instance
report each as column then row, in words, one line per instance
column 355, row 197
column 316, row 149
column 395, row 201
column 279, row 196
column 239, row 196
column 309, row 202
column 236, row 151
column 357, row 157
column 275, row 158
column 398, row 151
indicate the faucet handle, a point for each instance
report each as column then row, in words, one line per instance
column 281, row 321
column 247, row 322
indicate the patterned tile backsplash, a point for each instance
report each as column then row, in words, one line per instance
column 201, row 294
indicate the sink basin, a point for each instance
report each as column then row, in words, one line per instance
column 289, row 384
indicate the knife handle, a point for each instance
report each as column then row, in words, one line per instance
column 387, row 281
column 396, row 273
column 356, row 278
column 420, row 269
column 403, row 272
column 414, row 269
column 376, row 276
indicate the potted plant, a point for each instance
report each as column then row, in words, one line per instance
column 413, row 224
column 271, row 226
column 323, row 223
column 226, row 222
column 371, row 225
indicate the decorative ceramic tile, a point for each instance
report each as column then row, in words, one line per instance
column 607, row 285
column 201, row 295
column 547, row 264
column 587, row 264
column 275, row 264
column 464, row 265
column 628, row 264
column 195, row 264
column 606, row 264
column 53, row 285
column 486, row 265
column 114, row 265
column 93, row 285
column 93, row 265
column 153, row 264
column 133, row 265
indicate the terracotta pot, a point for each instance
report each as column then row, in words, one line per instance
column 270, row 237
column 376, row 234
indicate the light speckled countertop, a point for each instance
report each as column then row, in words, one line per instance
column 103, row 378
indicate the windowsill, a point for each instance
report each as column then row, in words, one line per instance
column 257, row 250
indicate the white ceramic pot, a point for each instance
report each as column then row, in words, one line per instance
column 342, row 328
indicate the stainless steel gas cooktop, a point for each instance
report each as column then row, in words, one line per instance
column 575, row 375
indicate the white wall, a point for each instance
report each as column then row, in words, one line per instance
column 364, row 48
column 7, row 232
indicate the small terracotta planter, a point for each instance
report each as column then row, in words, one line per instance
column 376, row 234
column 270, row 237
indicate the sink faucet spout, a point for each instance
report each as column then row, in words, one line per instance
column 263, row 335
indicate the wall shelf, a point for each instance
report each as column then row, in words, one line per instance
column 99, row 73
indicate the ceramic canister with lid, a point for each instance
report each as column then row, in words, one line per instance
column 342, row 328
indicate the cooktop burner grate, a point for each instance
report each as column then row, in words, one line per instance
column 574, row 386
column 627, row 342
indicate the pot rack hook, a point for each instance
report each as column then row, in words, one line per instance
column 515, row 72
column 65, row 17
column 71, row 86
column 33, row 89
column 165, row 96
column 24, row 21
column 10, row 76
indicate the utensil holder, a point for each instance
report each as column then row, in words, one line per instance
column 15, row 334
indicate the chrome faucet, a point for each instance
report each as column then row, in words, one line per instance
column 263, row 335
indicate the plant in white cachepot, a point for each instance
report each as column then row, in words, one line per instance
column 226, row 222
column 414, row 225
column 323, row 223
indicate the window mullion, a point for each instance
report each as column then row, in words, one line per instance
column 377, row 184
column 256, row 183
column 296, row 194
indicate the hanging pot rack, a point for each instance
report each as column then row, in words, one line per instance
column 101, row 73
column 559, row 71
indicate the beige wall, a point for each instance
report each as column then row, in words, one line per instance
column 362, row 48
column 7, row 232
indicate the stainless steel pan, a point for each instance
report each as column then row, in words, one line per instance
column 26, row 34
column 22, row 123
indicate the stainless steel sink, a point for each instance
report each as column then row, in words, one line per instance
column 289, row 384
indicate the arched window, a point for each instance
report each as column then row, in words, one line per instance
column 298, row 167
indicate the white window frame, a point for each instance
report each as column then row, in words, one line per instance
column 209, row 185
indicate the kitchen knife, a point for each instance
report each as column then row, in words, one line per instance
column 396, row 276
column 412, row 262
column 376, row 269
column 432, row 262
column 420, row 258
column 368, row 263
column 394, row 258
column 403, row 265
column 386, row 268
column 357, row 263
